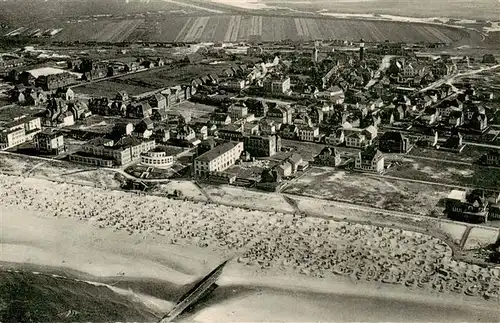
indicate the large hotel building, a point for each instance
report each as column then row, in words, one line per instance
column 218, row 159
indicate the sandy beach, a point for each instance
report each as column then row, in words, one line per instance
column 334, row 271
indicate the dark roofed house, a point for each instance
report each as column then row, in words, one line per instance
column 329, row 156
column 370, row 159
column 159, row 115
column 144, row 129
column 231, row 132
column 158, row 101
column 492, row 158
column 206, row 145
column 161, row 135
column 468, row 205
column 122, row 96
column 220, row 119
column 453, row 143
column 297, row 162
column 478, row 122
column 394, row 142
column 139, row 110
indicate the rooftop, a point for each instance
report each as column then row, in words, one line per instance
column 217, row 151
column 44, row 71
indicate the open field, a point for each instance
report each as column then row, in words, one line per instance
column 481, row 237
column 232, row 196
column 149, row 80
column 447, row 173
column 470, row 154
column 364, row 190
column 454, row 231
column 56, row 170
column 233, row 28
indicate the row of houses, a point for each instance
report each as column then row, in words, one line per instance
column 154, row 106
column 369, row 159
column 472, row 205
column 111, row 152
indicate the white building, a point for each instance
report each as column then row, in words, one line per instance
column 19, row 131
column 158, row 157
column 218, row 159
column 307, row 133
column 238, row 111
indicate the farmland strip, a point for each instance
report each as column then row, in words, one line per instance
column 126, row 33
column 221, row 28
column 201, row 27
column 245, row 27
column 313, row 28
column 117, row 30
column 305, row 29
column 259, row 25
column 234, row 35
column 192, row 30
column 97, row 36
column 299, row 27
column 209, row 32
column 229, row 30
column 254, row 25
column 182, row 33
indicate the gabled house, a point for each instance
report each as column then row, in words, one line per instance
column 201, row 130
column 122, row 96
column 57, row 114
column 336, row 138
column 161, row 135
column 429, row 115
column 139, row 110
column 79, row 109
column 159, row 115
column 453, row 143
column 238, row 111
column 329, row 156
column 297, row 162
column 308, row 133
column 280, row 113
column 394, row 142
column 144, row 129
column 185, row 133
column 492, row 158
column 370, row 159
column 289, row 131
column 267, row 127
column 356, row 140
column 456, row 118
column 158, row 101
column 220, row 119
